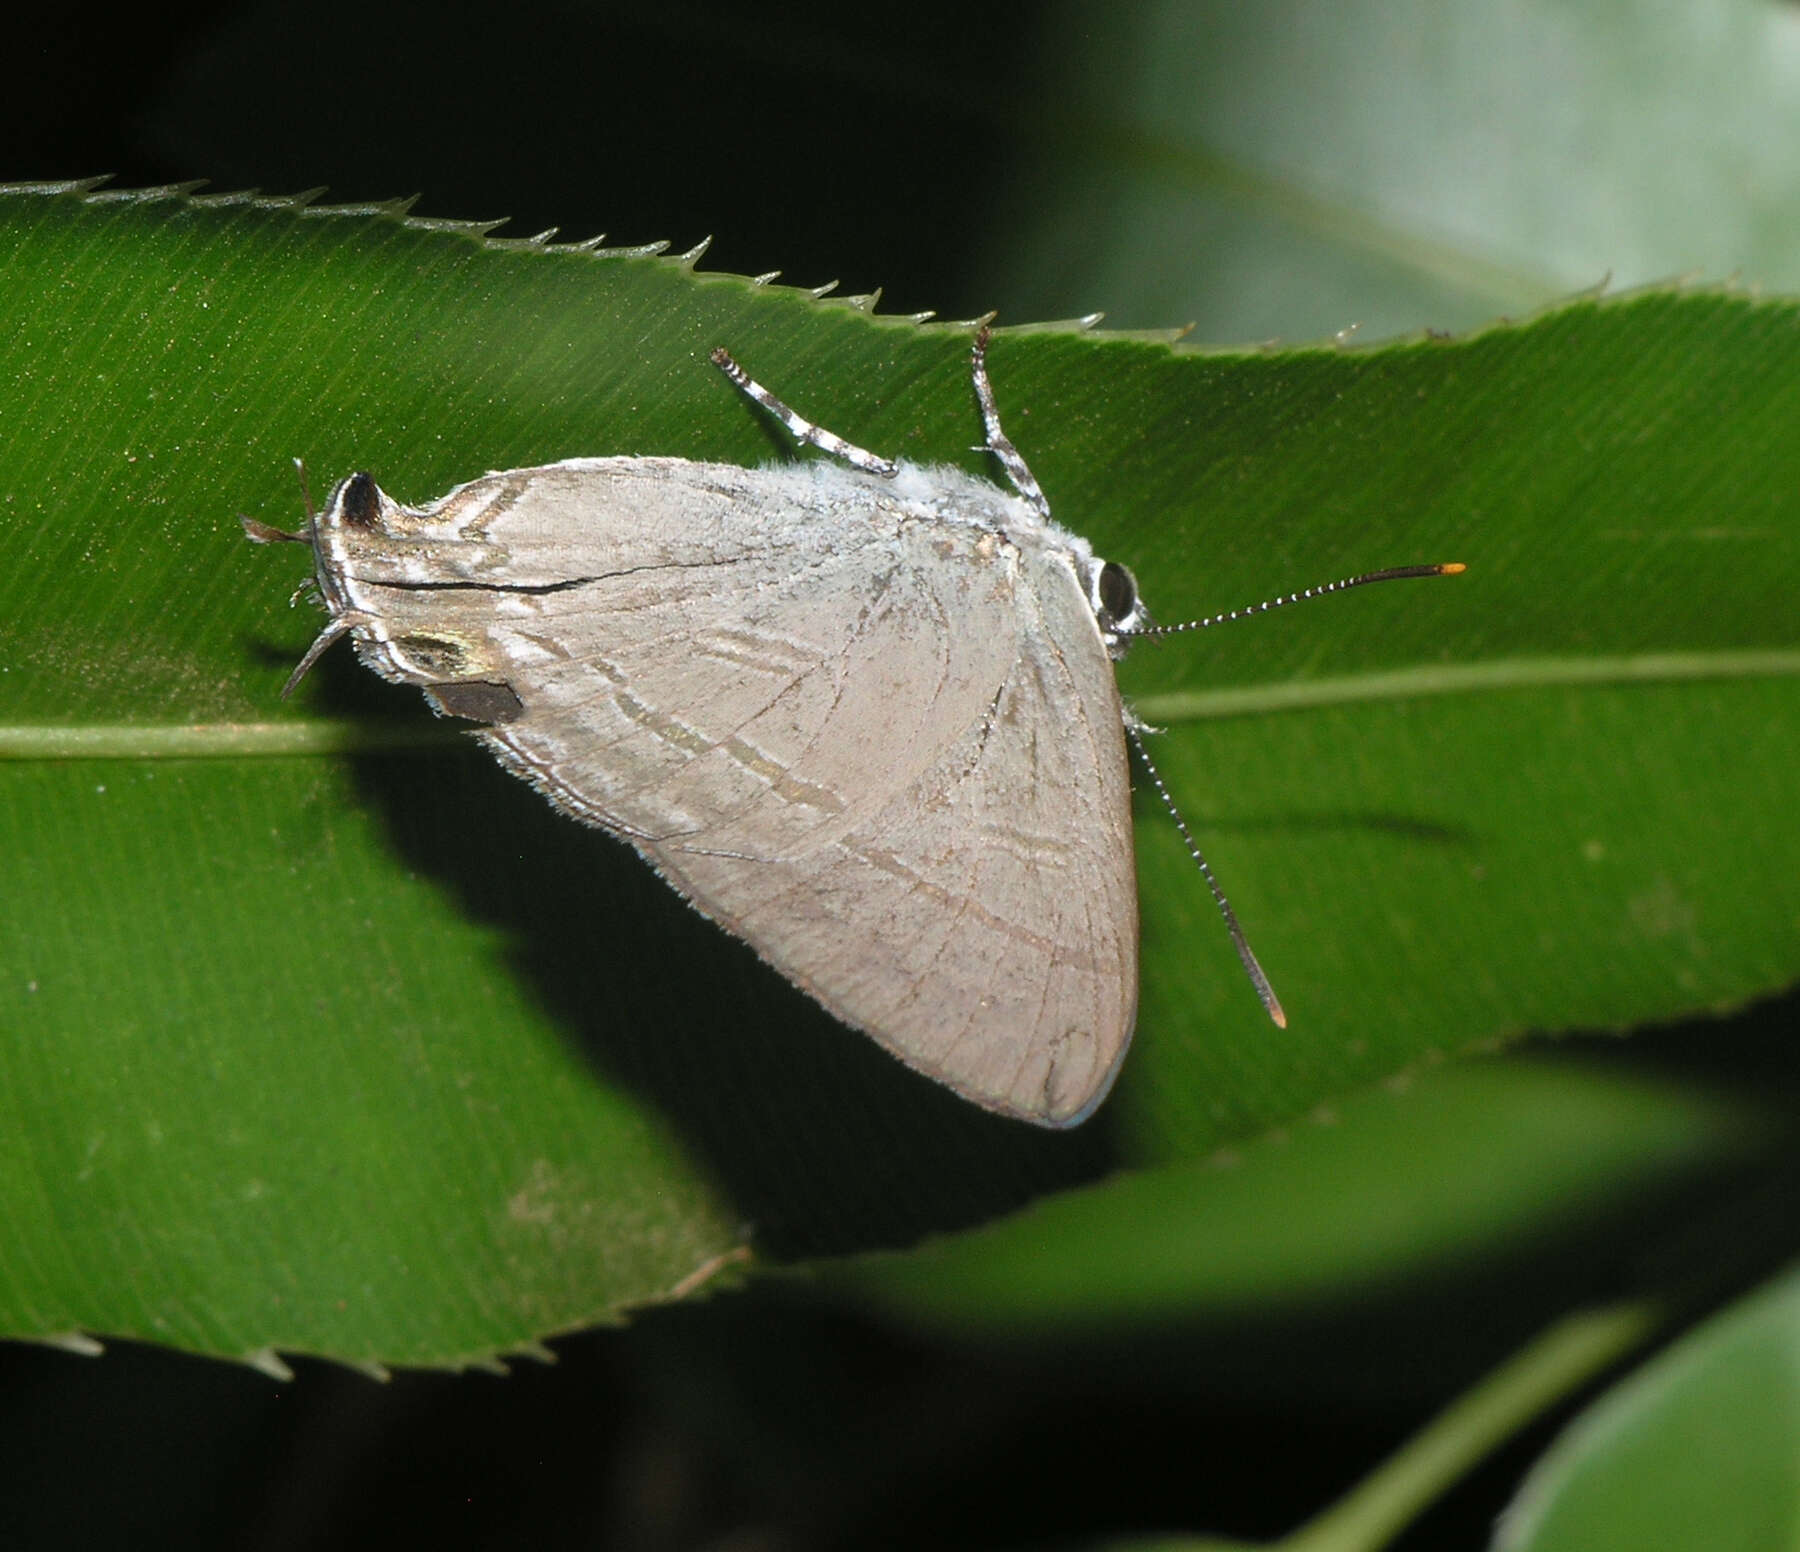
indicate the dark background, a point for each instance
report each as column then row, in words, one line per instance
column 862, row 143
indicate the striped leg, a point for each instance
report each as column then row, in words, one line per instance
column 803, row 429
column 999, row 444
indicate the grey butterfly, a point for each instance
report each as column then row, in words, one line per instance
column 860, row 713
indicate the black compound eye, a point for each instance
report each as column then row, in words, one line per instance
column 1117, row 592
column 359, row 500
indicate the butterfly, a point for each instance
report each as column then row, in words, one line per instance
column 861, row 713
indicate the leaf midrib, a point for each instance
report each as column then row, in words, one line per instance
column 249, row 740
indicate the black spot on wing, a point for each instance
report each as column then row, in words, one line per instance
column 480, row 700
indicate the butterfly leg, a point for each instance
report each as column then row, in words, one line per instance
column 803, row 429
column 998, row 442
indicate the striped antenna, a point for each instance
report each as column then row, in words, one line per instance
column 1392, row 574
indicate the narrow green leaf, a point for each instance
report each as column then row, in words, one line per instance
column 1391, row 1189
column 342, row 1053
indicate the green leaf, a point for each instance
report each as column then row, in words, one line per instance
column 332, row 1048
column 1699, row 1448
column 1397, row 1188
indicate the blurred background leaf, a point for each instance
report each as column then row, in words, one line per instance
column 1695, row 1450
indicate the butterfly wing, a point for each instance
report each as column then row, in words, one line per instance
column 877, row 741
column 982, row 924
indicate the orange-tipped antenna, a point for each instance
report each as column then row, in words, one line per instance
column 1135, row 730
column 1392, row 574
